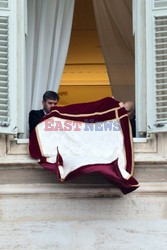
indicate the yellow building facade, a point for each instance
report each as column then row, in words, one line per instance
column 85, row 75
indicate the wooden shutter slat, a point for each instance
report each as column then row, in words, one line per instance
column 160, row 4
column 3, row 3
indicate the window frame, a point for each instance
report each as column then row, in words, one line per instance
column 149, row 148
column 21, row 65
column 139, row 32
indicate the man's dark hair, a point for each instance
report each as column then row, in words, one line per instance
column 50, row 95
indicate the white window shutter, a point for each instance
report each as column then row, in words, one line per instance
column 8, row 62
column 156, row 40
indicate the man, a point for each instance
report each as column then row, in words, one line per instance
column 50, row 99
column 129, row 106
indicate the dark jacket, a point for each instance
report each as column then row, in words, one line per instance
column 133, row 124
column 34, row 118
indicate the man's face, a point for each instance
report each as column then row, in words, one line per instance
column 48, row 104
column 129, row 106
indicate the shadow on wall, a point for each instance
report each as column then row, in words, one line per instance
column 124, row 92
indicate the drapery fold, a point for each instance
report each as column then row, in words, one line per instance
column 49, row 29
column 114, row 26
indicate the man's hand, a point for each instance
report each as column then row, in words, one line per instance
column 121, row 104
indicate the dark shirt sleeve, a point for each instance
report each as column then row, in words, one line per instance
column 133, row 124
column 34, row 119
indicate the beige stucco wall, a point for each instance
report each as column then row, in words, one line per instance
column 152, row 149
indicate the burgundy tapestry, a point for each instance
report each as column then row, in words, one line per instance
column 83, row 138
